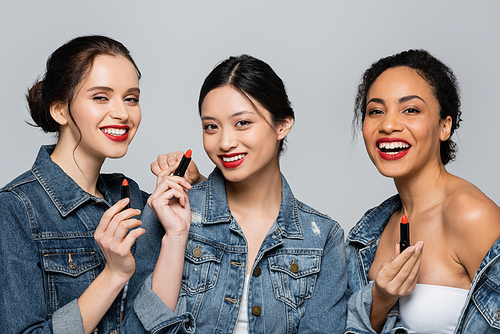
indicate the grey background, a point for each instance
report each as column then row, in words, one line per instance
column 319, row 48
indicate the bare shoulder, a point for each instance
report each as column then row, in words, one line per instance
column 472, row 220
column 467, row 207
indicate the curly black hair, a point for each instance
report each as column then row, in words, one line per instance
column 439, row 77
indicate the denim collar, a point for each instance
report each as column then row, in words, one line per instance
column 370, row 227
column 66, row 194
column 217, row 209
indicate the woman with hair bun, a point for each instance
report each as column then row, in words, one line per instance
column 65, row 244
column 408, row 107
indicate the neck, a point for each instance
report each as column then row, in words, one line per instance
column 84, row 170
column 422, row 191
column 262, row 194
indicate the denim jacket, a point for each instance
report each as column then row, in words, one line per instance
column 48, row 253
column 480, row 314
column 297, row 282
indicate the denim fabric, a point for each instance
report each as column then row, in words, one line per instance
column 480, row 314
column 308, row 298
column 49, row 255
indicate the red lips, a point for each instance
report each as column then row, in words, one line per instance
column 389, row 151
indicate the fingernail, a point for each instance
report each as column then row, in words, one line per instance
column 410, row 250
column 124, row 200
column 419, row 245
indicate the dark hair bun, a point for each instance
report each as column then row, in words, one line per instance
column 39, row 111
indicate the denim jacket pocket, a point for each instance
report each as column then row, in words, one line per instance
column 201, row 267
column 68, row 273
column 294, row 275
column 487, row 300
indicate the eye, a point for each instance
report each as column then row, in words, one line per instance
column 210, row 128
column 132, row 100
column 100, row 98
column 374, row 112
column 243, row 123
column 411, row 111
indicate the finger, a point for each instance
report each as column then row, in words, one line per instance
column 193, row 172
column 165, row 173
column 132, row 237
column 155, row 168
column 123, row 228
column 109, row 214
column 119, row 218
column 410, row 282
column 174, row 158
column 409, row 269
column 395, row 266
column 170, row 182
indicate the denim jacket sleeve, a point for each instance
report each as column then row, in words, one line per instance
column 156, row 317
column 148, row 312
column 358, row 315
column 326, row 310
column 22, row 301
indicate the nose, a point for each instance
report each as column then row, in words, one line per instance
column 119, row 111
column 227, row 140
column 391, row 122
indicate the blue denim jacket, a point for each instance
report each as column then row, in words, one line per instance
column 480, row 314
column 48, row 252
column 297, row 282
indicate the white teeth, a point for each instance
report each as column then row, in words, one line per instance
column 114, row 131
column 236, row 157
column 393, row 145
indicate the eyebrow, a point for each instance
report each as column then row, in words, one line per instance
column 109, row 89
column 239, row 113
column 410, row 97
column 400, row 100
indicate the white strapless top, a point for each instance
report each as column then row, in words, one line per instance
column 432, row 309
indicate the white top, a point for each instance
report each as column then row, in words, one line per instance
column 432, row 309
column 242, row 321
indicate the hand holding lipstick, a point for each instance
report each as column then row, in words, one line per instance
column 168, row 162
column 396, row 277
column 115, row 235
column 170, row 201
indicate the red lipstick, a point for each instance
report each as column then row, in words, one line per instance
column 120, row 138
column 183, row 165
column 125, row 192
column 234, row 163
column 392, row 153
column 404, row 229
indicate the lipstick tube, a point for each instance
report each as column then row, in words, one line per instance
column 404, row 229
column 183, row 165
column 125, row 192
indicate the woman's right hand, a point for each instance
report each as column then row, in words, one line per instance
column 396, row 278
column 172, row 159
column 170, row 203
column 115, row 237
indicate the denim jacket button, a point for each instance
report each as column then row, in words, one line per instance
column 497, row 315
column 72, row 265
column 257, row 271
column 294, row 267
column 197, row 252
column 256, row 310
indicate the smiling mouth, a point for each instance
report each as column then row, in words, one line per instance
column 116, row 134
column 393, row 148
column 114, row 131
column 233, row 158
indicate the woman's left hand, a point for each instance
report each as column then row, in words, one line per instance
column 170, row 203
column 170, row 161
